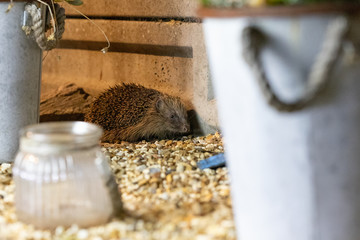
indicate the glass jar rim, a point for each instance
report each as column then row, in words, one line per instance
column 61, row 133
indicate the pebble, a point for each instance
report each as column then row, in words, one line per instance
column 193, row 163
column 180, row 167
column 165, row 195
column 141, row 168
column 155, row 169
column 82, row 234
column 5, row 167
column 169, row 178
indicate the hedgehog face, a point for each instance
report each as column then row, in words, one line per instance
column 173, row 114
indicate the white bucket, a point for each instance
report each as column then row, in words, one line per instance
column 20, row 73
column 295, row 175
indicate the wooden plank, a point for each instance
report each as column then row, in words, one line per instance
column 174, row 33
column 137, row 8
column 130, row 8
column 96, row 71
column 132, row 64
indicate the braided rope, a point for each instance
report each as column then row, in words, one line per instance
column 38, row 31
column 253, row 39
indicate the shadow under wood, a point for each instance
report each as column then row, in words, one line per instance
column 198, row 126
column 62, row 117
column 145, row 49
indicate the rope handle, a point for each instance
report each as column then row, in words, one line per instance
column 252, row 41
column 37, row 29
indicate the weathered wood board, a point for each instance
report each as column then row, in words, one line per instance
column 138, row 8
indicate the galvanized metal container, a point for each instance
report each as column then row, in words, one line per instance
column 295, row 175
column 20, row 73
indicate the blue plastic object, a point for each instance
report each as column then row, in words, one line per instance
column 212, row 162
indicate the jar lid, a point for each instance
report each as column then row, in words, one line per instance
column 59, row 136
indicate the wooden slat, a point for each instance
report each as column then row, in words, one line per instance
column 96, row 71
column 140, row 51
column 172, row 33
column 138, row 8
column 130, row 8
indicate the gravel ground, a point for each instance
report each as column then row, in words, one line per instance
column 165, row 195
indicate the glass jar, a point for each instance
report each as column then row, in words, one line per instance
column 62, row 177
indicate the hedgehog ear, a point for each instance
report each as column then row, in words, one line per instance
column 159, row 105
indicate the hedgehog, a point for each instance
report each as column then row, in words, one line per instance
column 131, row 112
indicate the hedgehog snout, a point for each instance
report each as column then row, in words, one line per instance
column 185, row 128
column 179, row 127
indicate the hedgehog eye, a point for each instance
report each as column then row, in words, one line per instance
column 172, row 116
